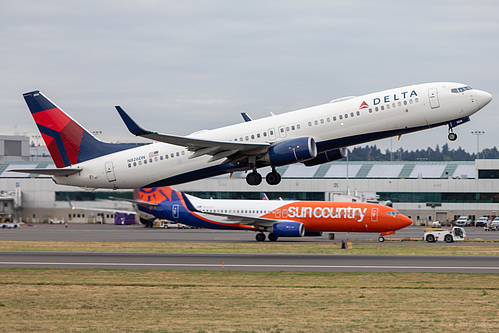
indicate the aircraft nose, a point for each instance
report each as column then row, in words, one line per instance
column 483, row 98
column 405, row 221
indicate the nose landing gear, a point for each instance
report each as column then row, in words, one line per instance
column 452, row 136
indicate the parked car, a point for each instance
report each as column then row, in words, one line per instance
column 463, row 221
column 482, row 221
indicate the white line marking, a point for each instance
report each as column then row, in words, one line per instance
column 243, row 266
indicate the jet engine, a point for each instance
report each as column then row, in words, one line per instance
column 289, row 229
column 291, row 151
column 328, row 156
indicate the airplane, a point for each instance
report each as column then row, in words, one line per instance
column 280, row 218
column 312, row 136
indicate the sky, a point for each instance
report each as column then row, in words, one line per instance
column 181, row 66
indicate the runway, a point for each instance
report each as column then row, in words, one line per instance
column 252, row 262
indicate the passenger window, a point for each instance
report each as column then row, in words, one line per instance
column 293, row 127
column 150, row 160
column 258, row 135
column 358, row 113
column 129, row 165
column 334, row 118
column 282, row 129
column 388, row 106
column 346, row 115
column 351, row 114
column 309, row 123
column 252, row 136
column 328, row 119
column 177, row 154
column 410, row 101
column 247, row 138
column 382, row 107
column 393, row 105
column 134, row 163
column 400, row 104
column 161, row 157
column 405, row 102
column 322, row 121
column 166, row 157
column 264, row 133
column 341, row 117
column 316, row 122
column 145, row 161
column 416, row 100
column 172, row 155
column 376, row 109
column 183, row 152
column 287, row 129
column 370, row 110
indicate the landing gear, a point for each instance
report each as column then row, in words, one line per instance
column 273, row 178
column 253, row 178
column 452, row 136
column 272, row 237
column 260, row 237
column 381, row 239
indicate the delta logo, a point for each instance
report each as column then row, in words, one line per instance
column 364, row 105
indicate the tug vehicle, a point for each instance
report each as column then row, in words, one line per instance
column 432, row 235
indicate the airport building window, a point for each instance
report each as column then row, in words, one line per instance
column 316, row 196
column 445, row 197
column 488, row 174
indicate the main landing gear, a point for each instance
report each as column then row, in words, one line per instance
column 272, row 178
column 260, row 237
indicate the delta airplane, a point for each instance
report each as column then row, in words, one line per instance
column 278, row 218
column 311, row 136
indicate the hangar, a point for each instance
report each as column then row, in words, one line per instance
column 424, row 190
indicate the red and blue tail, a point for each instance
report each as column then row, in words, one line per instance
column 67, row 141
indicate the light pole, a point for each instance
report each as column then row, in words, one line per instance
column 478, row 133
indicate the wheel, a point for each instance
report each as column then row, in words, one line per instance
column 253, row 178
column 260, row 237
column 272, row 237
column 448, row 239
column 273, row 178
column 381, row 239
column 452, row 136
column 430, row 239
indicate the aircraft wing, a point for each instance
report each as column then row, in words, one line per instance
column 114, row 211
column 49, row 171
column 217, row 149
column 256, row 221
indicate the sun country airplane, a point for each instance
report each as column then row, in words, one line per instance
column 277, row 217
column 311, row 136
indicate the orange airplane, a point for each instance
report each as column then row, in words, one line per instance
column 278, row 218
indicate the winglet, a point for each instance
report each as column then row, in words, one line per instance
column 246, row 117
column 132, row 126
column 188, row 203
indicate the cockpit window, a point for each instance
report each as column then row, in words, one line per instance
column 392, row 213
column 460, row 89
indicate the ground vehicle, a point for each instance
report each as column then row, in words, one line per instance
column 463, row 221
column 10, row 225
column 436, row 224
column 482, row 221
column 493, row 225
column 432, row 235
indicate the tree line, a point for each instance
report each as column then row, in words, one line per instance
column 373, row 153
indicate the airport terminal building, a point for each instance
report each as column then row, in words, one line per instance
column 426, row 191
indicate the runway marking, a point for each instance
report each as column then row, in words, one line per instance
column 222, row 265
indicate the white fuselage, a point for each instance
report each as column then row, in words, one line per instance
column 333, row 125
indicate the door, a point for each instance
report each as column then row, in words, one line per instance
column 433, row 96
column 374, row 215
column 110, row 172
column 282, row 131
column 175, row 212
column 272, row 135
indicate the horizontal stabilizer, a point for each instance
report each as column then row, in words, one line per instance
column 137, row 202
column 50, row 172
